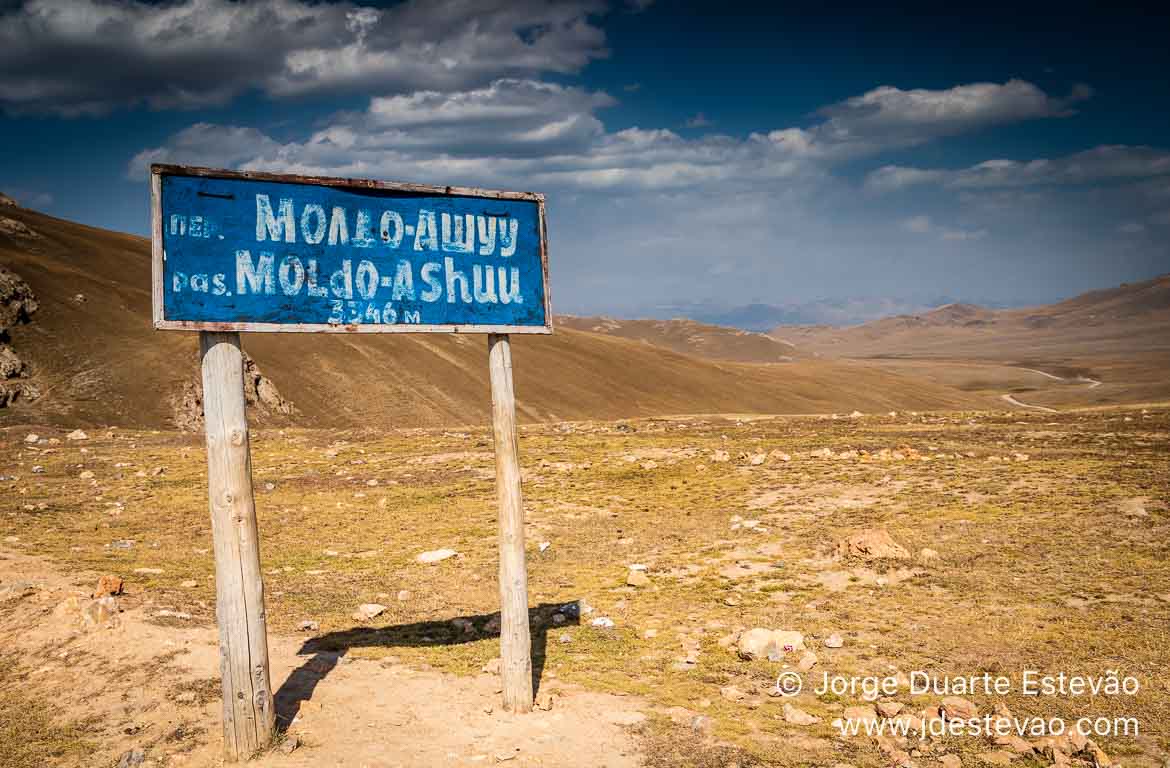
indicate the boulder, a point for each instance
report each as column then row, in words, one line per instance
column 263, row 398
column 11, row 366
column 761, row 643
column 109, row 584
column 17, row 303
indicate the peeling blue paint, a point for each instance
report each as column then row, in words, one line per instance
column 250, row 251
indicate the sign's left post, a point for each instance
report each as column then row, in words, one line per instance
column 249, row 718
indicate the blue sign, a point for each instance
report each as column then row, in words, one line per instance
column 260, row 252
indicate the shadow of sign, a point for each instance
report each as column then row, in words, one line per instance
column 328, row 649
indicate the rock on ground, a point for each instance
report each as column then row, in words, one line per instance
column 871, row 544
column 798, row 716
column 263, row 399
column 761, row 643
column 436, row 555
column 17, row 305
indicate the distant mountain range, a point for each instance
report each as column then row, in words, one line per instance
column 838, row 312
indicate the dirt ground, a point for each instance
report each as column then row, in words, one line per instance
column 1048, row 550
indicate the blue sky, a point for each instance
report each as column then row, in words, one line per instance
column 695, row 155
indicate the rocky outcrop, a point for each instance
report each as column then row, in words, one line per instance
column 14, row 228
column 17, row 305
column 5, row 200
column 264, row 400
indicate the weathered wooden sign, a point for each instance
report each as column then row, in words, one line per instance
column 259, row 252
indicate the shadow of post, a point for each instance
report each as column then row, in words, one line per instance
column 327, row 649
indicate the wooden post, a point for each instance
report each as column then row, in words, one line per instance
column 249, row 719
column 515, row 639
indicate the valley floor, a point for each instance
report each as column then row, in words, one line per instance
column 1018, row 541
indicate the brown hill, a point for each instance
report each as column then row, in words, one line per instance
column 1120, row 336
column 96, row 360
column 713, row 342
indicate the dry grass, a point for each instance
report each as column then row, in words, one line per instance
column 1040, row 569
column 32, row 732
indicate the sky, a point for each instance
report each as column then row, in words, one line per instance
column 696, row 157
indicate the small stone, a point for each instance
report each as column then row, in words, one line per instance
column 436, row 555
column 132, row 758
column 403, row 595
column 565, row 638
column 957, row 708
column 834, row 641
column 109, row 584
column 702, row 725
column 99, row 613
column 732, row 693
column 158, row 471
column 544, row 700
column 290, row 744
column 31, row 438
column 166, row 613
column 927, row 555
column 544, row 545
column 77, row 434
column 889, row 708
column 650, row 634
column 757, row 459
column 148, row 571
column 367, row 611
column 308, row 626
column 807, row 661
column 720, row 456
column 603, row 621
column 637, row 579
column 798, row 716
column 189, row 584
column 861, row 714
column 86, row 475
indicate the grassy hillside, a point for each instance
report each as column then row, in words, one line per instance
column 714, row 342
column 96, row 359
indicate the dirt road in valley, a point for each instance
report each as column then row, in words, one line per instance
column 1008, row 398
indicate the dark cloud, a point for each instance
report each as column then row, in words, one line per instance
column 74, row 57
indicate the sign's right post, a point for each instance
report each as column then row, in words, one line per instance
column 515, row 639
